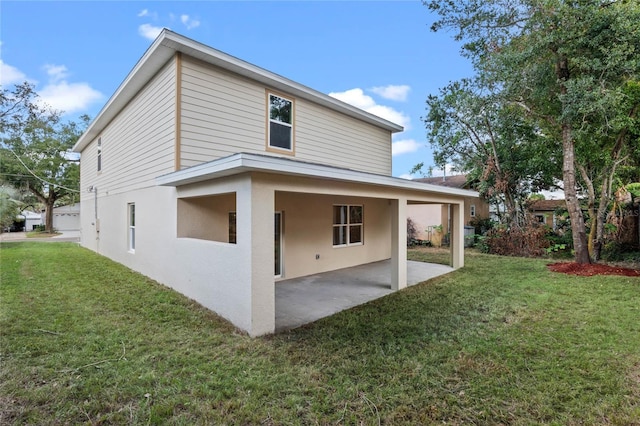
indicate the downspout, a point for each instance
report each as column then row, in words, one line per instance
column 96, row 221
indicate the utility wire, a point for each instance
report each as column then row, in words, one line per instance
column 38, row 177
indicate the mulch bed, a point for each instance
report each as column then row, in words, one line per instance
column 589, row 270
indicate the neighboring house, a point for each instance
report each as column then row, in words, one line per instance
column 32, row 220
column 27, row 221
column 24, row 221
column 425, row 217
column 219, row 178
column 66, row 218
column 545, row 211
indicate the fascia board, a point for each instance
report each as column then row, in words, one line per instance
column 241, row 163
column 153, row 59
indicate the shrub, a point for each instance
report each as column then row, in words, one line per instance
column 412, row 232
column 615, row 251
column 526, row 241
column 481, row 225
column 634, row 189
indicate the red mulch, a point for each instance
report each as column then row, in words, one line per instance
column 589, row 270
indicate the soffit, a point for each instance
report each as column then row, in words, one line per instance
column 243, row 163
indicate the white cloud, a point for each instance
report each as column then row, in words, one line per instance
column 391, row 114
column 61, row 95
column 10, row 74
column 404, row 146
column 149, row 31
column 450, row 168
column 406, row 176
column 189, row 22
column 56, row 72
column 392, row 92
column 146, row 13
column 357, row 98
column 58, row 93
column 69, row 97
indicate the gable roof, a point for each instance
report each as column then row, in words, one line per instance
column 168, row 43
column 455, row 181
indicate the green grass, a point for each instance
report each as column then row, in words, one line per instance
column 41, row 234
column 441, row 255
column 503, row 341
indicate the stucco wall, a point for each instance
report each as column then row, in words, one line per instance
column 308, row 227
column 207, row 217
column 216, row 274
column 423, row 216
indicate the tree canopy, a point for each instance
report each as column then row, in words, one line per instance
column 474, row 129
column 567, row 67
column 35, row 149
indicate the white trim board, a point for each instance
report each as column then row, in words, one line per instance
column 244, row 162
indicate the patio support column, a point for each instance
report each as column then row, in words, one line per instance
column 398, row 244
column 457, row 235
column 260, row 200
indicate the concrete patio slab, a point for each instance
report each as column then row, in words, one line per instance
column 306, row 299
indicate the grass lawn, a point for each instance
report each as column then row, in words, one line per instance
column 86, row 341
column 41, row 234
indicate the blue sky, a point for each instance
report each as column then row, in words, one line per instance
column 379, row 55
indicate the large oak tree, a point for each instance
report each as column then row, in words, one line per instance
column 473, row 128
column 35, row 149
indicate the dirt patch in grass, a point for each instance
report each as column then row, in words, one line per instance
column 592, row 269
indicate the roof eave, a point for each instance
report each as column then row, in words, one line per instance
column 243, row 162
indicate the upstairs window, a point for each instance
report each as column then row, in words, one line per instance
column 347, row 225
column 99, row 154
column 280, row 129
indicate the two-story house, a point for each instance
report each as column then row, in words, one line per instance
column 218, row 178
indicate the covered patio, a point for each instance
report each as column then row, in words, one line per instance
column 270, row 225
column 306, row 299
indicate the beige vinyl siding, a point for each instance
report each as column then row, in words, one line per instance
column 223, row 114
column 138, row 145
column 328, row 137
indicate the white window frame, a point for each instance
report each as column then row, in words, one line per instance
column 131, row 227
column 270, row 120
column 473, row 210
column 99, row 154
column 348, row 225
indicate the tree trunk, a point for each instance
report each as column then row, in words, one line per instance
column 511, row 210
column 602, row 218
column 48, row 214
column 578, row 229
column 591, row 207
column 593, row 225
column 50, row 201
